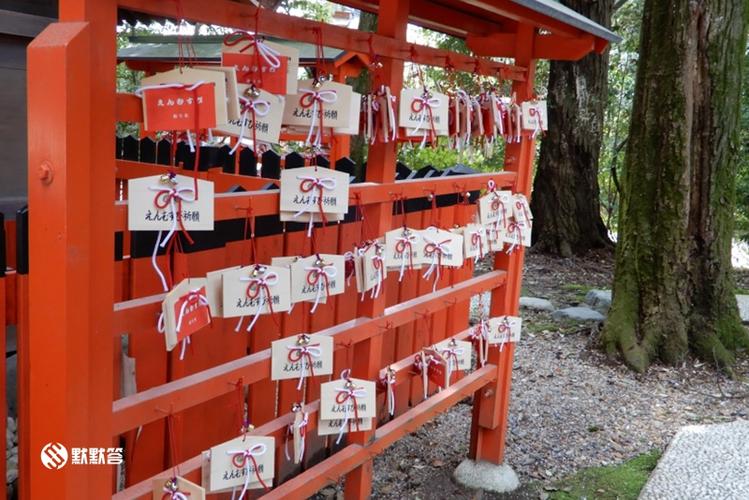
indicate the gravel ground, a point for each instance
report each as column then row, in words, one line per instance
column 571, row 408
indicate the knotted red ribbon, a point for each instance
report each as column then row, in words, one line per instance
column 304, row 353
column 435, row 249
column 505, row 332
column 534, row 111
column 308, row 185
column 254, row 289
column 477, row 241
column 345, row 394
column 173, row 197
column 417, row 106
column 313, row 278
column 403, row 245
column 316, row 100
column 521, row 206
column 242, row 459
column 515, row 230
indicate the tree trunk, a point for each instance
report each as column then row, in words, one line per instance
column 361, row 84
column 565, row 204
column 673, row 287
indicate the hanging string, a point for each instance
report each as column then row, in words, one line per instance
column 401, row 200
column 243, row 423
column 365, row 223
column 259, row 80
column 319, row 52
column 173, row 445
column 249, row 231
column 434, row 220
column 375, row 65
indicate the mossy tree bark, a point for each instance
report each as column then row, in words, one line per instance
column 673, row 288
column 565, row 204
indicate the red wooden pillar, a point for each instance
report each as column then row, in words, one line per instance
column 71, row 116
column 491, row 403
column 3, row 413
column 393, row 22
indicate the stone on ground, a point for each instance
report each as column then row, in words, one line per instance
column 743, row 303
column 486, row 476
column 536, row 304
column 703, row 461
column 579, row 313
column 600, row 300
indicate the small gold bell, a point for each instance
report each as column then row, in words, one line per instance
column 252, row 92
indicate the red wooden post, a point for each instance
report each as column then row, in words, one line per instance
column 491, row 403
column 71, row 170
column 3, row 411
column 392, row 22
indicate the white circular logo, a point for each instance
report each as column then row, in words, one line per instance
column 54, row 456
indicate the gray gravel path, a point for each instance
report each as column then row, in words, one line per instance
column 703, row 461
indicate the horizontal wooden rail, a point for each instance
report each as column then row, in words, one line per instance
column 327, row 471
column 244, row 16
column 384, row 436
column 234, row 205
column 128, row 169
column 149, row 405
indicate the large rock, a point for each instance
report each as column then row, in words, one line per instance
column 600, row 300
column 743, row 303
column 703, row 461
column 486, row 476
column 536, row 304
column 579, row 313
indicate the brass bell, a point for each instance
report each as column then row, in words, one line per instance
column 252, row 91
column 303, row 339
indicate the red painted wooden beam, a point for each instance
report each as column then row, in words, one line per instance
column 350, row 457
column 149, row 405
column 232, row 205
column 549, row 46
column 245, row 15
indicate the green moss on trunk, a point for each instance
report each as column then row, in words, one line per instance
column 673, row 289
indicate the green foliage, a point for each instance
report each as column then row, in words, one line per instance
column 127, row 79
column 310, row 9
column 742, row 177
column 445, row 80
column 623, row 58
column 616, row 482
column 442, row 157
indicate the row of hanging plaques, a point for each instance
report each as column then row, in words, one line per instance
column 347, row 405
column 255, row 93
